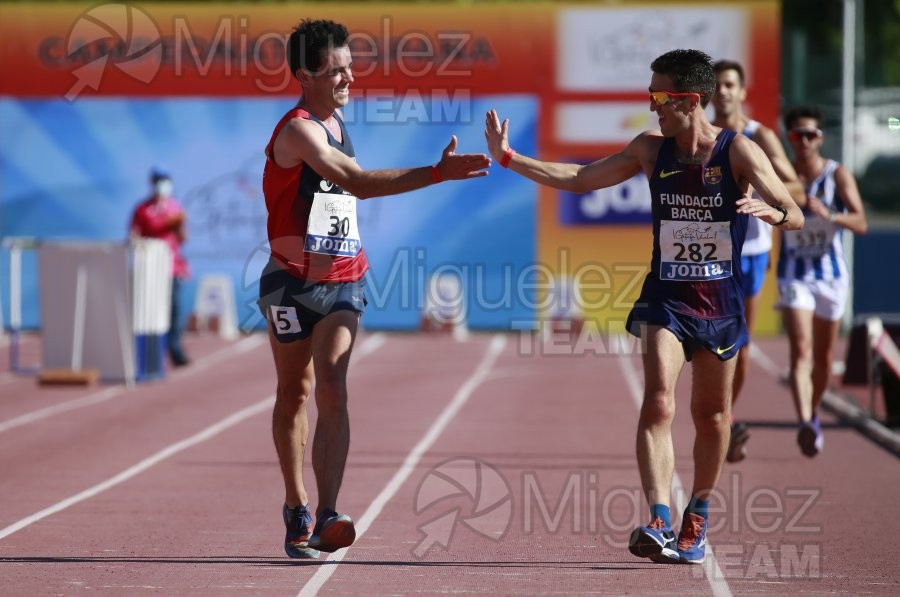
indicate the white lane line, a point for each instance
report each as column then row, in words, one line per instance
column 43, row 413
column 714, row 575
column 238, row 348
column 763, row 360
column 840, row 406
column 245, row 345
column 141, row 466
column 462, row 395
column 371, row 344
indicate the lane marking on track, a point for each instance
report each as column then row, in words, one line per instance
column 369, row 345
column 714, row 575
column 763, row 360
column 498, row 343
column 245, row 345
column 840, row 406
column 143, row 465
column 9, row 377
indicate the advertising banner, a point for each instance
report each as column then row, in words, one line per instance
column 95, row 95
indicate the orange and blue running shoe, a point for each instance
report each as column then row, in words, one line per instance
column 692, row 539
column 655, row 541
column 333, row 531
column 297, row 523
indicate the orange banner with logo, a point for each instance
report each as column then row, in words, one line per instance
column 153, row 49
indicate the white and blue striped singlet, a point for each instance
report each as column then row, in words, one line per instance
column 759, row 233
column 815, row 252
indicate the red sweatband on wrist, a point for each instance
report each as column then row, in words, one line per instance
column 504, row 161
column 436, row 174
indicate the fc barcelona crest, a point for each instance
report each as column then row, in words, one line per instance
column 712, row 175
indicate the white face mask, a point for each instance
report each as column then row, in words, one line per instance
column 163, row 187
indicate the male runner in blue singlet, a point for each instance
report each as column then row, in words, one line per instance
column 691, row 304
column 727, row 103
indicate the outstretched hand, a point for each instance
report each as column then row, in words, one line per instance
column 497, row 134
column 758, row 208
column 457, row 166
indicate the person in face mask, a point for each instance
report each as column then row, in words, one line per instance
column 160, row 216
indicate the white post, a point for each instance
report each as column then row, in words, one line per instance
column 126, row 339
column 848, row 126
column 15, row 305
column 848, row 86
column 79, row 316
column 15, row 287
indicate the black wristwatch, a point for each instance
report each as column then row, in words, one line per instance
column 784, row 213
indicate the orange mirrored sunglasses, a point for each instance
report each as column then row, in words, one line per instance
column 664, row 97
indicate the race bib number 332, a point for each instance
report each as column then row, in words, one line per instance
column 694, row 251
column 814, row 241
column 332, row 228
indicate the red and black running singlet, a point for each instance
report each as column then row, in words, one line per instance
column 311, row 223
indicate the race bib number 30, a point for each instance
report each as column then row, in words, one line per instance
column 332, row 228
column 693, row 251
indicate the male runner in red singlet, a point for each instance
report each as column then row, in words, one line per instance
column 312, row 291
column 691, row 306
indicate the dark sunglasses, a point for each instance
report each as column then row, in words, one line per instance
column 808, row 134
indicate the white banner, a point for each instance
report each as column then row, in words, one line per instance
column 610, row 49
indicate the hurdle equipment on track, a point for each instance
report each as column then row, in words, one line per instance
column 883, row 359
column 564, row 313
column 445, row 305
column 215, row 308
column 16, row 245
column 85, row 318
column 151, row 281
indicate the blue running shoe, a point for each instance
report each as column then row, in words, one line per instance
column 811, row 438
column 333, row 531
column 297, row 522
column 655, row 541
column 692, row 539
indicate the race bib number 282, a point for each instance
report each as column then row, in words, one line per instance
column 693, row 251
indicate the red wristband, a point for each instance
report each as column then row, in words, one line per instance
column 507, row 157
column 436, row 174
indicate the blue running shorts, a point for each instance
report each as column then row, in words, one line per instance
column 753, row 270
column 293, row 306
column 723, row 337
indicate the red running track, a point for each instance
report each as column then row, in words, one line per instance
column 495, row 465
